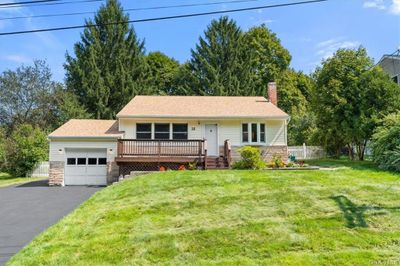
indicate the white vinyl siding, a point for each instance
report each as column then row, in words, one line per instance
column 276, row 132
column 227, row 129
column 58, row 148
column 129, row 127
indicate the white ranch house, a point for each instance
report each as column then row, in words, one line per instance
column 166, row 132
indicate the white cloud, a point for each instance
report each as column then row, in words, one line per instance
column 327, row 48
column 378, row 4
column 395, row 7
column 16, row 58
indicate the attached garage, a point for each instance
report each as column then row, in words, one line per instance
column 82, row 153
column 85, row 167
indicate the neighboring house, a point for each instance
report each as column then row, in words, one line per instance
column 391, row 65
column 153, row 132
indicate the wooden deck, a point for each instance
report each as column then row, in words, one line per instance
column 166, row 151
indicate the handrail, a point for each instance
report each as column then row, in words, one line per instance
column 227, row 152
column 205, row 154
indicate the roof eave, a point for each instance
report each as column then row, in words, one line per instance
column 115, row 137
column 203, row 117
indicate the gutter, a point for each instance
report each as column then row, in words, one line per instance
column 204, row 117
column 110, row 138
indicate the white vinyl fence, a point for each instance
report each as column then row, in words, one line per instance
column 307, row 152
column 42, row 170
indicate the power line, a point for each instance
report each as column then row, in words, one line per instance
column 162, row 18
column 130, row 9
column 36, row 3
column 27, row 2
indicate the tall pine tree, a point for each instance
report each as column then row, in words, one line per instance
column 109, row 67
column 218, row 65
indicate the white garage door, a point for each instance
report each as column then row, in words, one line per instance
column 86, row 167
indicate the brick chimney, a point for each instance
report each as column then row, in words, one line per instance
column 272, row 93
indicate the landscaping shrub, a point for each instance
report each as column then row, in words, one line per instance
column 386, row 143
column 26, row 147
column 250, row 159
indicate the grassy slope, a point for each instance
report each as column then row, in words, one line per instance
column 7, row 180
column 349, row 216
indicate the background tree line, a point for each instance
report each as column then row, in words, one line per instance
column 339, row 105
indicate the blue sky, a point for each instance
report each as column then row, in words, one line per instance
column 310, row 32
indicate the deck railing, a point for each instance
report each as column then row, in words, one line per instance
column 161, row 148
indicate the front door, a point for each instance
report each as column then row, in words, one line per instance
column 212, row 139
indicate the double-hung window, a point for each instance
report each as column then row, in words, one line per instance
column 143, row 131
column 161, row 131
column 253, row 133
column 179, row 131
column 245, row 132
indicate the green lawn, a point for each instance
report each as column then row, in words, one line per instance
column 7, row 180
column 346, row 215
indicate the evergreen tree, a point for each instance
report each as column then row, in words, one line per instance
column 218, row 65
column 108, row 68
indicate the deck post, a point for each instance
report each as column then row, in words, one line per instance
column 159, row 153
column 205, row 154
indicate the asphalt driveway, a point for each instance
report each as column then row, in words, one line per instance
column 27, row 210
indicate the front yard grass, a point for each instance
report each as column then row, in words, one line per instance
column 7, row 180
column 348, row 215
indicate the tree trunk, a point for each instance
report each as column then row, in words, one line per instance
column 351, row 153
column 361, row 150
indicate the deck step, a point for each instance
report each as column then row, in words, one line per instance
column 216, row 163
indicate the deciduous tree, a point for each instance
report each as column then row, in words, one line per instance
column 26, row 96
column 268, row 58
column 162, row 72
column 26, row 147
column 349, row 98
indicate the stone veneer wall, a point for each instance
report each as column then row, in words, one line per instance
column 56, row 173
column 112, row 172
column 267, row 152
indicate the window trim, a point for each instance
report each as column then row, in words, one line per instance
column 179, row 132
column 144, row 132
column 171, row 130
column 162, row 132
column 249, row 134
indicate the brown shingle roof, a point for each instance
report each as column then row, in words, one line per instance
column 88, row 128
column 201, row 107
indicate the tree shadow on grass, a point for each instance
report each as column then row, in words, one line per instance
column 355, row 214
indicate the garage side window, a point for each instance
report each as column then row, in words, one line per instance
column 71, row 161
column 102, row 161
column 143, row 131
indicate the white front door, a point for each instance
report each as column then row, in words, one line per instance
column 212, row 139
column 85, row 167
